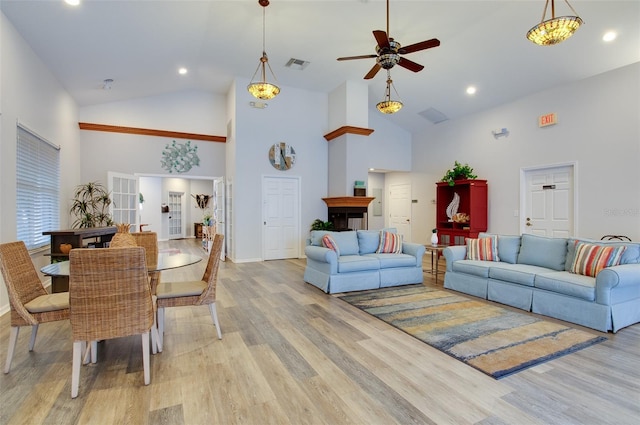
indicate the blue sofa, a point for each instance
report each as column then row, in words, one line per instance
column 534, row 274
column 359, row 267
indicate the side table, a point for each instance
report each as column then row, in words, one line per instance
column 435, row 252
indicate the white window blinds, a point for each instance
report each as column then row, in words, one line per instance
column 37, row 188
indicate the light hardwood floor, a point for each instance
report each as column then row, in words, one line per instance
column 291, row 354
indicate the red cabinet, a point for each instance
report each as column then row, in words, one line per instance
column 473, row 202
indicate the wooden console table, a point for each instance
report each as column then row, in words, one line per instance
column 78, row 238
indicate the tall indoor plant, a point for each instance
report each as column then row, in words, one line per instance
column 90, row 206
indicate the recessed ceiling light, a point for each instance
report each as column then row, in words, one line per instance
column 609, row 36
column 72, row 2
column 471, row 90
column 182, row 71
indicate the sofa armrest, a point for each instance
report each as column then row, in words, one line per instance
column 415, row 249
column 624, row 278
column 454, row 253
column 322, row 254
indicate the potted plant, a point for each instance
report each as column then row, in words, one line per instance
column 90, row 206
column 458, row 172
column 321, row 225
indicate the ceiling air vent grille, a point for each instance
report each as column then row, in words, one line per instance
column 433, row 115
column 298, row 64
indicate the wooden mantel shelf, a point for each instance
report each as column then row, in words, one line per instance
column 348, row 201
column 150, row 132
column 348, row 129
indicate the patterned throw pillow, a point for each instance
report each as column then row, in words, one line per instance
column 485, row 249
column 328, row 242
column 390, row 243
column 589, row 259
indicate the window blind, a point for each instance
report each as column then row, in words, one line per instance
column 37, row 188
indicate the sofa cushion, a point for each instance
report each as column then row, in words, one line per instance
column 522, row 274
column 589, row 259
column 388, row 261
column 472, row 267
column 631, row 254
column 508, row 247
column 329, row 242
column 368, row 241
column 316, row 236
column 347, row 242
column 542, row 251
column 483, row 249
column 574, row 285
column 390, row 243
column 357, row 263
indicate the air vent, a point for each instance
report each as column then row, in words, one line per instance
column 433, row 115
column 298, row 64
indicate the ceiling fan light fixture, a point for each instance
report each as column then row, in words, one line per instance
column 555, row 30
column 388, row 106
column 261, row 89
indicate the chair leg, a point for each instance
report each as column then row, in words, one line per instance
column 214, row 316
column 161, row 326
column 145, row 358
column 13, row 338
column 34, row 333
column 94, row 352
column 75, row 367
column 156, row 345
column 86, row 351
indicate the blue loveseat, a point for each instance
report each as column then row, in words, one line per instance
column 359, row 267
column 535, row 274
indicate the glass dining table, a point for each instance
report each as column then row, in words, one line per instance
column 166, row 261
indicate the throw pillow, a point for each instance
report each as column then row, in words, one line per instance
column 589, row 259
column 390, row 243
column 328, row 242
column 484, row 249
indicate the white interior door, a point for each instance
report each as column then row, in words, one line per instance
column 549, row 202
column 176, row 228
column 400, row 209
column 219, row 210
column 281, row 223
column 125, row 198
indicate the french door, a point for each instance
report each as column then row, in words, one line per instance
column 124, row 197
column 176, row 228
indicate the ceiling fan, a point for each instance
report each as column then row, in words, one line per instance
column 388, row 52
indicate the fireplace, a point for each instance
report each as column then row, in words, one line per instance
column 348, row 212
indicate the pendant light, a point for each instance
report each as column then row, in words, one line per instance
column 262, row 89
column 388, row 106
column 554, row 30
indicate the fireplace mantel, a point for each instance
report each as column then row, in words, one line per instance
column 348, row 201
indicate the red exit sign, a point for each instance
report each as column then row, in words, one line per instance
column 548, row 119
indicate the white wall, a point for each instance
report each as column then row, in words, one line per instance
column 597, row 128
column 32, row 96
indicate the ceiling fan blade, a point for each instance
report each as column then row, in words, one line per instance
column 348, row 58
column 372, row 73
column 410, row 65
column 382, row 39
column 423, row 45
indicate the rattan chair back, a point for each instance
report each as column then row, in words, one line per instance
column 24, row 285
column 109, row 293
column 149, row 241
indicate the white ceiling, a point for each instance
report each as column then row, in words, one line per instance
column 140, row 45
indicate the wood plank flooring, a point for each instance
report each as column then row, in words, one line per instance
column 291, row 354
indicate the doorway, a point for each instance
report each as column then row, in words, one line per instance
column 400, row 209
column 548, row 199
column 281, row 217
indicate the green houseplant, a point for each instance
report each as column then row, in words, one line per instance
column 90, row 206
column 321, row 225
column 458, row 172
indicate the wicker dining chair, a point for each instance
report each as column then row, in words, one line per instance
column 149, row 241
column 110, row 297
column 192, row 293
column 29, row 301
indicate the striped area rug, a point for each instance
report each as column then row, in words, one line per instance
column 492, row 339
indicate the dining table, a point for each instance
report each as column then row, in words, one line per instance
column 166, row 261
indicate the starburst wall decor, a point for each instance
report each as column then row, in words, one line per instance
column 179, row 157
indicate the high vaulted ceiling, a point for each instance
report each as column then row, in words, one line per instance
column 141, row 44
